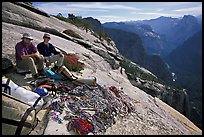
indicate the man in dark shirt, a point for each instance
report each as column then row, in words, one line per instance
column 28, row 57
column 49, row 52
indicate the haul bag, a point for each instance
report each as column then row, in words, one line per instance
column 29, row 97
column 18, row 118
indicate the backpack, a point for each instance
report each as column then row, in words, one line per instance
column 18, row 118
column 6, row 65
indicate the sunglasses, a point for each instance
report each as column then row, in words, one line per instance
column 47, row 37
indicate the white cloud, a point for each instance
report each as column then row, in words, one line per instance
column 53, row 7
column 104, row 19
column 159, row 10
column 154, row 13
column 101, row 5
column 121, row 12
column 172, row 3
column 194, row 10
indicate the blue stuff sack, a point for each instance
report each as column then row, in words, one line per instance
column 50, row 74
column 41, row 91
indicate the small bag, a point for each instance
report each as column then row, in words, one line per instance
column 80, row 126
column 50, row 74
column 41, row 91
column 18, row 118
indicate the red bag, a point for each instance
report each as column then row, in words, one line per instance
column 81, row 126
column 115, row 91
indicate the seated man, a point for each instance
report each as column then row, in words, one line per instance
column 47, row 50
column 28, row 57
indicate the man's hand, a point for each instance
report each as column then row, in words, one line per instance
column 36, row 55
column 48, row 63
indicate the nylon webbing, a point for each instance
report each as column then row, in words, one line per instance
column 16, row 123
column 36, row 102
column 23, row 119
column 6, row 86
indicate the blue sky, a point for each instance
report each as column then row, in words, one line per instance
column 122, row 11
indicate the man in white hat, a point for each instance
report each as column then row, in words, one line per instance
column 51, row 55
column 28, row 57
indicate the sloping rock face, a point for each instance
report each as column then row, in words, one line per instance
column 178, row 99
column 152, row 116
column 149, row 83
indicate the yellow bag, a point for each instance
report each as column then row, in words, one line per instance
column 18, row 118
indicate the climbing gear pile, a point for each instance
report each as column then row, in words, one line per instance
column 90, row 110
column 87, row 109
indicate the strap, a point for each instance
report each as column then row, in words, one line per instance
column 7, row 86
column 8, row 81
column 16, row 123
column 23, row 119
column 36, row 102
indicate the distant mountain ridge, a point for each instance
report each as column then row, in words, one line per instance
column 131, row 46
column 182, row 28
column 160, row 39
column 152, row 42
column 191, row 52
column 199, row 19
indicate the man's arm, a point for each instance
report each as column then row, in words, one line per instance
column 34, row 55
column 40, row 48
column 53, row 50
column 27, row 56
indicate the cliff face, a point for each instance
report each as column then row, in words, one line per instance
column 101, row 60
column 129, row 44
